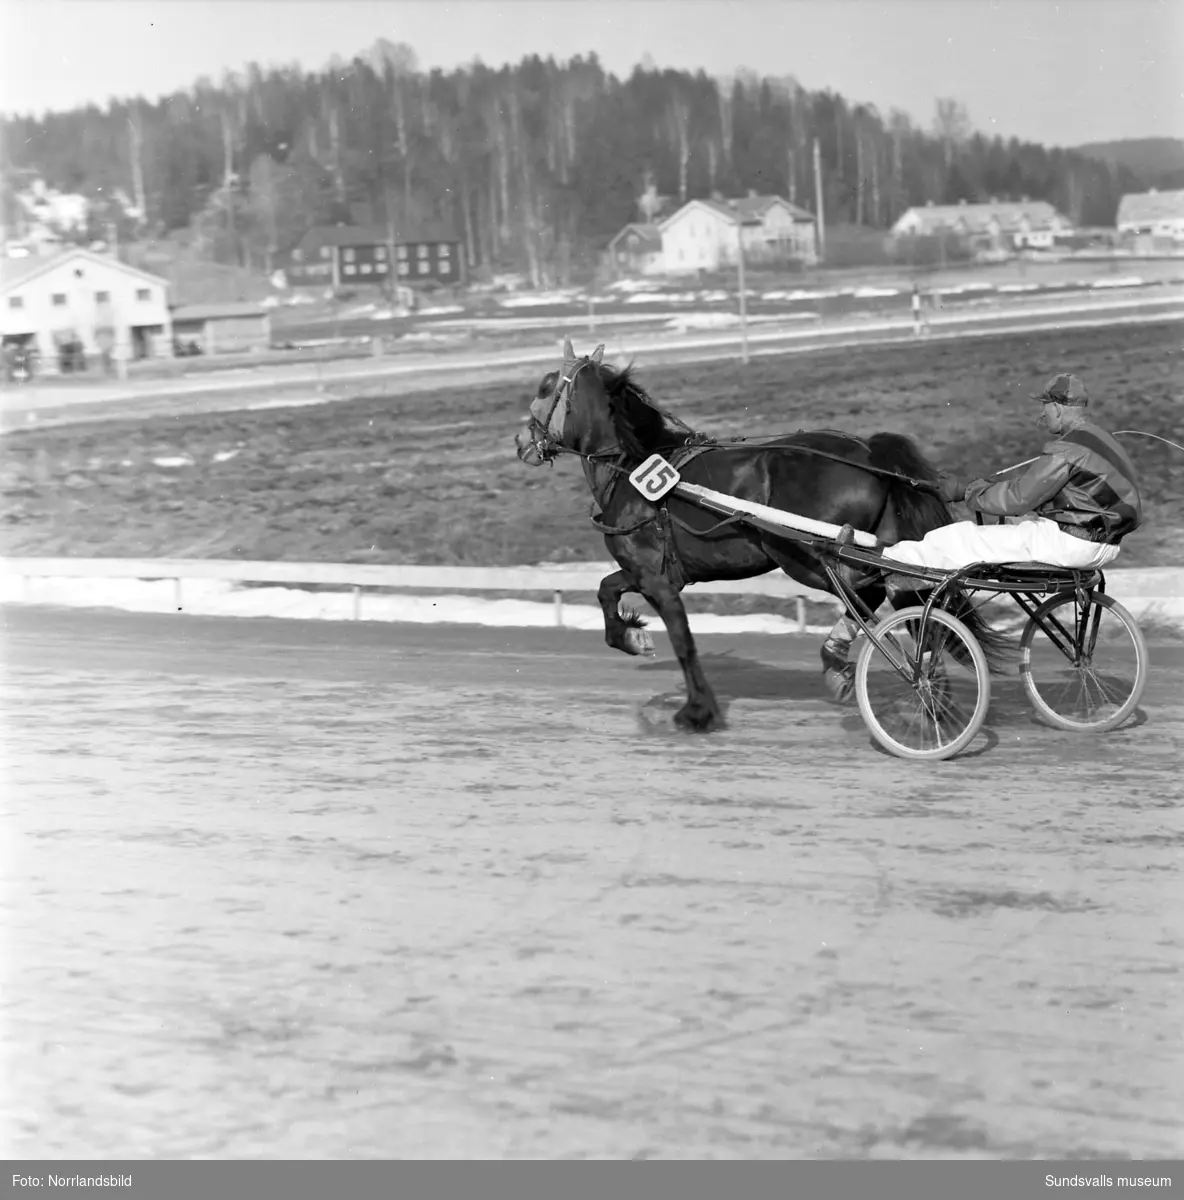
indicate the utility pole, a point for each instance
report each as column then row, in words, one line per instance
column 820, row 221
column 743, row 296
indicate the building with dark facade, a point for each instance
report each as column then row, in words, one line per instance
column 346, row 256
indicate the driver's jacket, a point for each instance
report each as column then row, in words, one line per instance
column 1083, row 481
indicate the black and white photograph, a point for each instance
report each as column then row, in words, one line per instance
column 592, row 580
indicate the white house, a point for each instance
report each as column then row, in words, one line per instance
column 997, row 225
column 78, row 297
column 703, row 235
column 1155, row 214
column 636, row 249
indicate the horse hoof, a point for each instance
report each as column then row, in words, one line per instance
column 638, row 641
column 698, row 718
column 839, row 683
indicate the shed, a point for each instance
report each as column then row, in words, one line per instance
column 222, row 328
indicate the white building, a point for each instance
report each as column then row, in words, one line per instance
column 703, row 235
column 1154, row 214
column 67, row 212
column 997, row 225
column 81, row 298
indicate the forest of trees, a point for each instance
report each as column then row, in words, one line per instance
column 535, row 166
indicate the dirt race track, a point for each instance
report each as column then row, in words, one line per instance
column 297, row 889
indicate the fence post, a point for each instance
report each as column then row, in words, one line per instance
column 177, row 592
column 801, row 614
column 558, row 609
column 357, row 602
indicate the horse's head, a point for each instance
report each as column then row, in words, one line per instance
column 550, row 427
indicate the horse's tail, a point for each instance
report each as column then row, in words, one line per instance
column 921, row 509
column 918, row 509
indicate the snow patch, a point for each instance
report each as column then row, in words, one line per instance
column 220, row 598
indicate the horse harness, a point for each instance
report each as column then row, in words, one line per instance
column 678, row 456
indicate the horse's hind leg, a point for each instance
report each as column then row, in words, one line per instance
column 701, row 712
column 626, row 633
column 838, row 672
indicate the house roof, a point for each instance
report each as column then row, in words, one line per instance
column 16, row 272
column 758, row 206
column 207, row 312
column 369, row 235
column 978, row 217
column 747, row 210
column 650, row 235
column 1144, row 208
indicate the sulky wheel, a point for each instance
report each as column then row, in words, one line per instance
column 1083, row 662
column 922, row 696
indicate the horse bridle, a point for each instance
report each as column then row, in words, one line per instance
column 546, row 443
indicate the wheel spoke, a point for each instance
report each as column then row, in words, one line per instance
column 933, row 709
column 1095, row 682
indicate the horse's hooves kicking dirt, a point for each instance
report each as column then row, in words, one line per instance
column 698, row 718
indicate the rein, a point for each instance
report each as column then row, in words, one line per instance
column 549, row 446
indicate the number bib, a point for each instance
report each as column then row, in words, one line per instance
column 654, row 478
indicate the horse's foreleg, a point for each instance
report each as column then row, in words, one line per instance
column 626, row 633
column 701, row 712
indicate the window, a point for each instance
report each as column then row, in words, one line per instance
column 326, row 252
column 380, row 253
column 401, row 252
column 102, row 297
column 366, row 268
column 59, row 299
column 380, row 268
column 16, row 302
column 351, row 270
column 404, row 268
column 424, row 267
column 297, row 255
column 143, row 294
column 349, row 255
column 443, row 250
column 422, row 251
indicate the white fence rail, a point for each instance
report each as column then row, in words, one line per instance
column 1144, row 586
column 555, row 580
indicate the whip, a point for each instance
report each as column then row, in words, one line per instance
column 1117, row 432
column 1140, row 433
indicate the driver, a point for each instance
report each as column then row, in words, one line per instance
column 1071, row 508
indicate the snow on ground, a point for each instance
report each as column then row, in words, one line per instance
column 662, row 298
column 712, row 320
column 800, row 294
column 634, row 285
column 214, row 597
column 534, row 299
column 220, row 598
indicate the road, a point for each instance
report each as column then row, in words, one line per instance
column 286, row 385
column 304, row 889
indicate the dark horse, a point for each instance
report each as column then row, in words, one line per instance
column 603, row 415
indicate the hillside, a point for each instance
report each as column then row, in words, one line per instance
column 535, row 166
column 1157, row 161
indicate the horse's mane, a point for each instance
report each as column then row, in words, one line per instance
column 641, row 427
